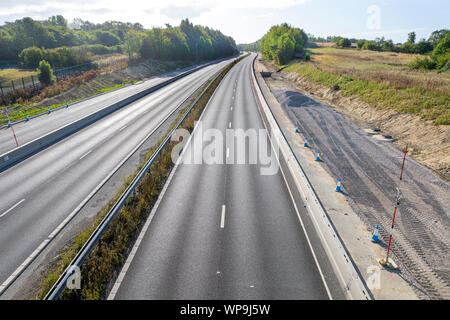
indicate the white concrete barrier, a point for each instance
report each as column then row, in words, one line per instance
column 351, row 281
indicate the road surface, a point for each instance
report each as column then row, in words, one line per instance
column 37, row 127
column 37, row 194
column 224, row 231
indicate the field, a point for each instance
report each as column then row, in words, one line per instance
column 7, row 75
column 382, row 79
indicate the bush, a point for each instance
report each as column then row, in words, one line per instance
column 344, row 43
column 360, row 43
column 424, row 63
column 371, row 45
column 307, row 56
column 45, row 73
column 31, row 57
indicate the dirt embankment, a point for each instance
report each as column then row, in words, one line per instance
column 427, row 143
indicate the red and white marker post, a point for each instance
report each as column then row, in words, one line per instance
column 403, row 165
column 15, row 138
column 386, row 262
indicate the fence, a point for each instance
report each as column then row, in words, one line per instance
column 32, row 82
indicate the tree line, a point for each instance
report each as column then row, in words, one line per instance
column 436, row 48
column 62, row 44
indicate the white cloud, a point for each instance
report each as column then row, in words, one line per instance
column 225, row 15
column 136, row 7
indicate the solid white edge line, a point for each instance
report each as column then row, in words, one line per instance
column 132, row 254
column 295, row 206
column 12, row 208
column 222, row 218
column 55, row 232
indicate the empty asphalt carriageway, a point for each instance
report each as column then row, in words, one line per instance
column 39, row 193
column 224, row 231
column 37, row 127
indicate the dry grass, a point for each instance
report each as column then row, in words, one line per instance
column 387, row 68
column 6, row 75
column 381, row 79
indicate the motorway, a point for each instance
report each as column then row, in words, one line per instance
column 39, row 193
column 37, row 127
column 224, row 231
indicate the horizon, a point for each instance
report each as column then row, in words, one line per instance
column 371, row 19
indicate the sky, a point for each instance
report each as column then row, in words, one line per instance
column 248, row 20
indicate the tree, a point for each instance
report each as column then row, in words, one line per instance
column 107, row 38
column 45, row 73
column 423, row 46
column 344, row 43
column 58, row 20
column 437, row 36
column 360, row 43
column 441, row 53
column 133, row 42
column 282, row 42
column 412, row 37
column 387, row 45
column 30, row 57
column 285, row 49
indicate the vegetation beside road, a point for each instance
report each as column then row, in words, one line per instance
column 282, row 43
column 381, row 79
column 83, row 45
column 6, row 75
column 102, row 264
column 62, row 44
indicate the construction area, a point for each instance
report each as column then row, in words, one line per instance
column 369, row 166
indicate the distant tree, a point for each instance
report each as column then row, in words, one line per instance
column 107, row 38
column 360, row 43
column 371, row 45
column 58, row 20
column 437, row 36
column 387, row 45
column 62, row 46
column 45, row 73
column 408, row 47
column 344, row 43
column 412, row 37
column 423, row 46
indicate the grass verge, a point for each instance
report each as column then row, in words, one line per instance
column 101, row 265
column 428, row 105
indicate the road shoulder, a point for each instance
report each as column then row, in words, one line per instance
column 350, row 227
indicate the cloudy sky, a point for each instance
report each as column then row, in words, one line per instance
column 248, row 20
